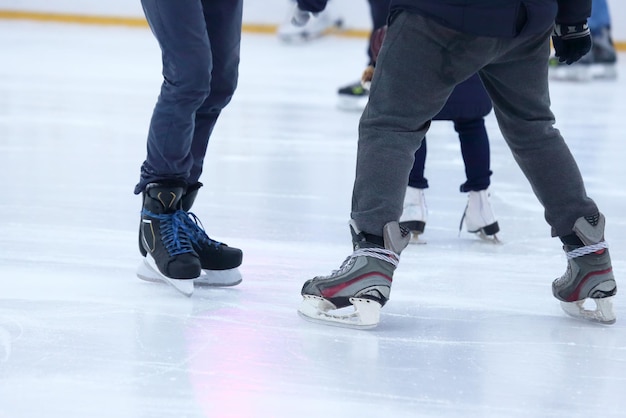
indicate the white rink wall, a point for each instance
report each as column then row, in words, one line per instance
column 355, row 13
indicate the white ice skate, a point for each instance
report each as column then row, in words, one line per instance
column 318, row 25
column 478, row 216
column 414, row 213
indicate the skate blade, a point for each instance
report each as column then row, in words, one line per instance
column 352, row 104
column 307, row 35
column 490, row 238
column 219, row 278
column 579, row 73
column 415, row 238
column 366, row 314
column 149, row 272
column 603, row 313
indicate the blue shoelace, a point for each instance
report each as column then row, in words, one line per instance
column 196, row 231
column 174, row 231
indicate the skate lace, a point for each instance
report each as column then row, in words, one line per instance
column 380, row 253
column 174, row 234
column 196, row 231
column 588, row 249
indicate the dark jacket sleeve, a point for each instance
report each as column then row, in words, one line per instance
column 314, row 6
column 573, row 11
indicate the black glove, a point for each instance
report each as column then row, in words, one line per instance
column 571, row 42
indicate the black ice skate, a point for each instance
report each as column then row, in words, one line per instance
column 353, row 97
column 164, row 239
column 219, row 261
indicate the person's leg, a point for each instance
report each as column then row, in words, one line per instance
column 401, row 107
column 478, row 216
column 223, row 25
column 354, row 95
column 518, row 87
column 416, row 176
column 476, row 154
column 379, row 11
column 187, row 64
column 600, row 17
column 414, row 77
column 414, row 209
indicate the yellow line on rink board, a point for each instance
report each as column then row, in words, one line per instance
column 140, row 22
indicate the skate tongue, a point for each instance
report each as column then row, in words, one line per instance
column 396, row 237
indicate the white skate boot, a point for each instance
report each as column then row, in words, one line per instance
column 318, row 25
column 478, row 216
column 414, row 213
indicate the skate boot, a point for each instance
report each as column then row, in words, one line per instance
column 580, row 71
column 478, row 216
column 318, row 25
column 353, row 97
column 219, row 261
column 589, row 273
column 604, row 65
column 599, row 63
column 165, row 240
column 414, row 212
column 363, row 281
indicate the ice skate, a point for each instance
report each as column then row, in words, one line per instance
column 318, row 25
column 164, row 239
column 598, row 64
column 414, row 213
column 353, row 295
column 219, row 261
column 589, row 274
column 353, row 97
column 478, row 216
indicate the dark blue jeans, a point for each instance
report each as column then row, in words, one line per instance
column 200, row 43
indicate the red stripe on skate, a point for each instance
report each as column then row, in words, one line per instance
column 328, row 293
column 576, row 295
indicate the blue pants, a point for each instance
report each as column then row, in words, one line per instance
column 379, row 10
column 200, row 43
column 476, row 156
column 600, row 17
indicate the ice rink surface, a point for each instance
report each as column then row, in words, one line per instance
column 472, row 329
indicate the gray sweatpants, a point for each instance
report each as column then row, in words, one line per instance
column 418, row 66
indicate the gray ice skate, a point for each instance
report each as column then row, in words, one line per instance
column 589, row 274
column 363, row 282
